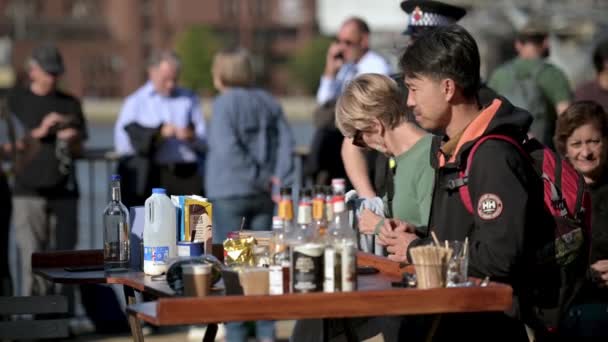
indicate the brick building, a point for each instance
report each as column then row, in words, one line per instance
column 105, row 42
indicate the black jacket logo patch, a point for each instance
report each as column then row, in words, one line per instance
column 489, row 207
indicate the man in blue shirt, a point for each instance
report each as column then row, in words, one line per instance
column 160, row 135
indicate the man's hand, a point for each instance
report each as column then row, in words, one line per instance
column 39, row 132
column 396, row 236
column 49, row 121
column 168, row 131
column 368, row 221
column 52, row 119
column 68, row 134
column 601, row 267
column 332, row 61
column 275, row 182
column 185, row 134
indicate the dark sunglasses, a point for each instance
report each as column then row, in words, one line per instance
column 358, row 139
column 346, row 42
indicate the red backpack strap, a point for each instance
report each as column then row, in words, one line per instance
column 463, row 189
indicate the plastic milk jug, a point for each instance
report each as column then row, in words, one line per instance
column 160, row 234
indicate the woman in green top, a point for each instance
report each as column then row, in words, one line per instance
column 372, row 110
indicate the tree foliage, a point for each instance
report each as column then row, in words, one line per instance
column 196, row 47
column 306, row 65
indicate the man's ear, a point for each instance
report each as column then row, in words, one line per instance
column 378, row 126
column 448, row 86
column 365, row 40
column 546, row 43
column 151, row 72
column 518, row 45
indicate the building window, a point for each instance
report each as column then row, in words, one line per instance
column 229, row 8
column 259, row 8
column 100, row 73
column 292, row 12
column 80, row 9
column 22, row 9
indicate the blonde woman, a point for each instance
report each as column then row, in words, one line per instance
column 372, row 111
column 250, row 151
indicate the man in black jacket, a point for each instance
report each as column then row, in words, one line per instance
column 508, row 223
column 45, row 192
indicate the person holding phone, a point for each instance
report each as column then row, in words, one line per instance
column 349, row 56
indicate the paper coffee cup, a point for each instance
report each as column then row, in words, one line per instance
column 196, row 279
column 254, row 281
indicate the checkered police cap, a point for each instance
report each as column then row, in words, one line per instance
column 428, row 13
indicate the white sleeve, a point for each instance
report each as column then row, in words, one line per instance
column 328, row 89
column 377, row 65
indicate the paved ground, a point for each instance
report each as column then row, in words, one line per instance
column 179, row 334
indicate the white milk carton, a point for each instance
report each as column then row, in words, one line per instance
column 160, row 236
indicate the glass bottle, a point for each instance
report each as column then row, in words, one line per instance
column 306, row 271
column 286, row 210
column 318, row 212
column 340, row 256
column 278, row 243
column 116, row 231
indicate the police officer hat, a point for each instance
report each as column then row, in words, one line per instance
column 428, row 13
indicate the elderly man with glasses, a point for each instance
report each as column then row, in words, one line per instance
column 349, row 56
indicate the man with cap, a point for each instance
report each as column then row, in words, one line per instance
column 530, row 82
column 423, row 15
column 45, row 201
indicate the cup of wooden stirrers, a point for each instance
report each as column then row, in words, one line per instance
column 431, row 264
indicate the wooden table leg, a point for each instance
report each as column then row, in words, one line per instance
column 135, row 326
column 129, row 295
column 134, row 323
column 210, row 332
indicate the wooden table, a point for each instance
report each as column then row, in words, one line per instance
column 51, row 266
column 375, row 296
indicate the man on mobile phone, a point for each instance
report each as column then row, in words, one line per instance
column 349, row 56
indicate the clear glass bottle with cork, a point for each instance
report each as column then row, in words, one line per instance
column 340, row 256
column 278, row 271
column 306, row 251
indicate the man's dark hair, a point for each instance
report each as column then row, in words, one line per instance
column 600, row 55
column 445, row 52
column 534, row 32
column 533, row 38
column 360, row 23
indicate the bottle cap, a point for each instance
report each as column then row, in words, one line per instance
column 277, row 222
column 115, row 177
column 286, row 191
column 338, row 181
column 306, row 192
column 159, row 191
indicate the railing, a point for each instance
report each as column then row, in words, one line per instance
column 93, row 172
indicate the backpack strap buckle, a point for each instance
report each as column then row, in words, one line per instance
column 456, row 183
